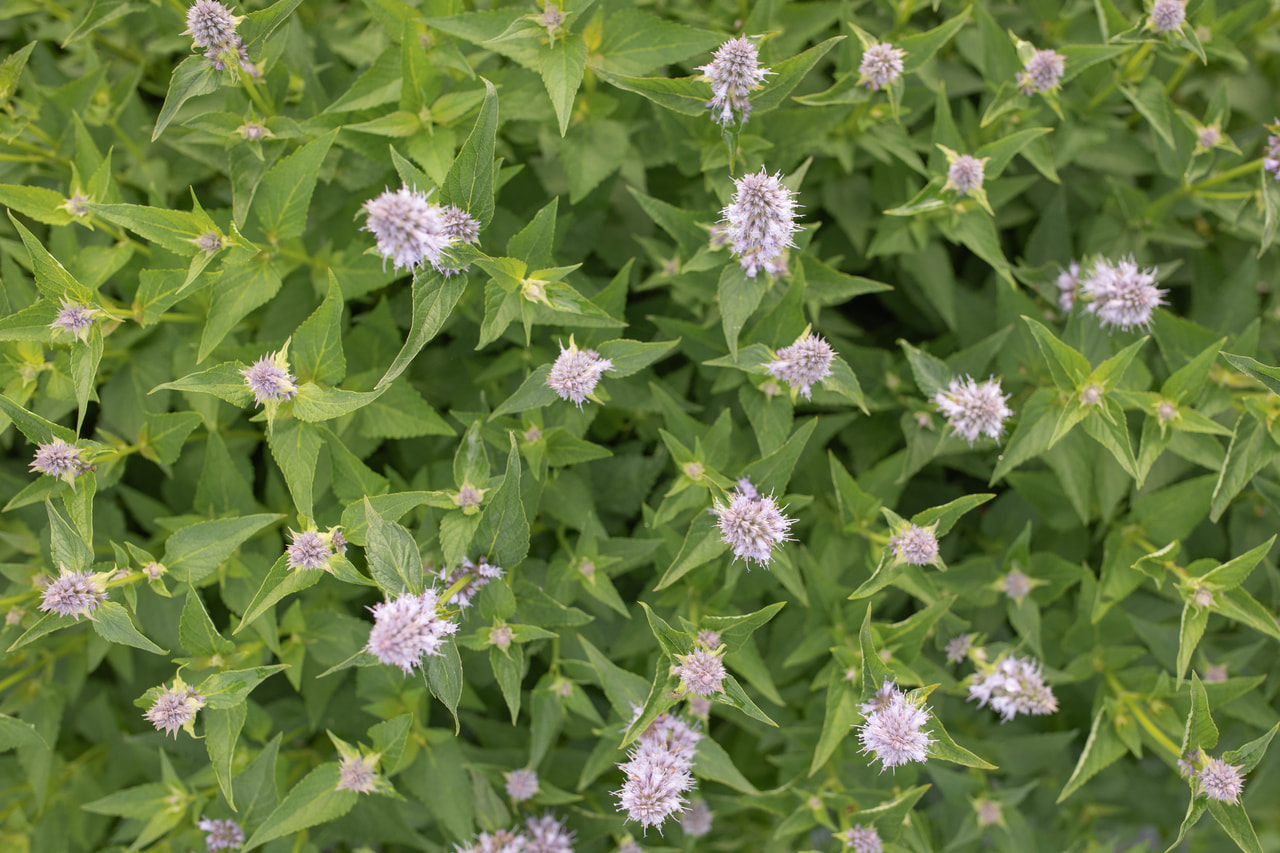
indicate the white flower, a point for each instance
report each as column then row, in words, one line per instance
column 881, row 65
column 862, row 840
column 1221, row 781
column 1068, row 282
column 222, row 834
column 522, row 784
column 696, row 821
column 974, row 409
column 356, row 773
column 73, row 594
column 700, row 672
column 733, row 73
column 658, row 771
column 576, row 373
column 547, row 834
column 916, row 546
column 1016, row 584
column 1013, row 686
column 894, row 731
column 804, row 363
column 269, row 378
column 174, row 708
column 410, row 231
column 751, row 524
column 1123, row 295
column 1168, row 15
column 966, row 174
column 1042, row 73
column 760, row 220
column 407, row 628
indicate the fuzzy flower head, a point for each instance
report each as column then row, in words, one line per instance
column 658, row 772
column 1016, row 584
column 252, row 131
column 1271, row 158
column 1221, row 781
column 74, row 594
column 894, row 732
column 861, row 840
column 1042, row 72
column 966, row 172
column 309, row 550
column 1208, row 137
column 222, row 834
column 522, row 784
column 502, row 841
column 752, row 524
column 697, row 819
column 700, row 672
column 576, row 373
column 410, row 231
column 881, row 65
column 547, row 834
column 733, row 73
column 1013, row 686
column 804, row 363
column 174, row 708
column 974, row 409
column 988, row 812
column 59, row 459
column 358, row 773
column 210, row 24
column 760, row 220
column 75, row 318
column 1068, row 282
column 1167, row 16
column 407, row 628
column 1123, row 295
column 269, row 378
column 915, row 546
column 709, row 639
column 958, row 647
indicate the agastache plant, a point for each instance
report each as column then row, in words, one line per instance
column 760, row 221
column 734, row 74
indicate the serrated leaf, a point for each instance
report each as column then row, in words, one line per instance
column 314, row 800
column 195, row 552
column 284, row 193
column 503, row 532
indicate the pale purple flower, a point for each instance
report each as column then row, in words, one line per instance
column 966, row 174
column 914, row 545
column 356, row 773
column 708, row 638
column 14, row 616
column 1202, row 597
column 1068, row 284
column 76, row 318
column 222, row 834
column 550, row 19
column 547, row 834
column 1016, row 584
column 1123, row 296
column 337, row 540
column 57, row 458
column 482, row 571
column 696, row 821
column 699, row 706
column 502, row 841
column 1042, row 72
column 733, row 73
column 522, row 784
column 805, row 362
column 1187, row 764
column 894, row 732
column 75, row 203
column 1215, row 674
column 153, row 570
column 208, row 242
column 880, row 699
column 700, row 672
column 269, row 379
column 1092, row 394
column 308, row 550
column 252, row 131
column 752, row 524
column 1221, row 781
column 974, row 409
column 500, row 636
column 410, row 231
column 210, row 24
column 861, row 840
column 1209, row 136
column 958, row 647
column 407, row 628
column 760, row 220
column 658, row 771
column 1168, row 15
column 1013, row 686
column 460, row 225
column 72, row 594
column 1166, row 410
column 881, row 65
column 576, row 373
column 1271, row 158
column 989, row 812
column 174, row 708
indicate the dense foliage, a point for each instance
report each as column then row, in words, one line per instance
column 622, row 425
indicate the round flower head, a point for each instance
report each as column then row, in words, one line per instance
column 222, row 834
column 1013, row 686
column 210, row 24
column 989, row 812
column 208, row 242
column 966, row 174
column 1068, row 282
column 73, row 594
column 1123, row 295
column 881, row 65
column 709, row 639
column 760, row 220
column 522, row 784
column 174, row 708
column 733, row 73
column 356, row 773
column 1221, row 781
column 410, row 231
column 974, row 409
column 407, row 628
column 57, row 458
column 75, row 318
column 252, row 131
column 308, row 550
column 460, row 225
column 269, row 378
column 1042, row 73
column 658, row 771
column 805, row 362
column 696, row 821
column 547, row 834
column 700, row 672
column 502, row 841
column 1271, row 159
column 1168, row 15
column 861, row 840
column 576, row 373
column 916, row 546
column 894, row 732
column 751, row 524
column 1209, row 136
column 1016, row 584
column 958, row 647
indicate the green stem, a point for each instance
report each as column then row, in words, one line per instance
column 1148, row 725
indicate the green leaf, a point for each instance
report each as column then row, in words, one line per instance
column 52, row 277
column 739, row 297
column 503, row 533
column 15, row 733
column 434, row 297
column 470, row 182
column 444, row 675
column 787, row 75
column 296, row 448
column 1235, row 823
column 162, row 436
column 1200, row 732
column 41, row 204
column 316, row 346
column 533, row 393
column 11, row 70
column 256, row 26
column 636, row 43
column 223, row 381
column 712, row 762
column 314, row 800
column 841, row 715
column 229, row 688
column 1267, row 375
column 1252, row 448
column 175, row 230
column 112, row 623
column 238, row 291
column 1101, row 749
column 623, row 689
column 35, row 428
column 1234, row 572
column 685, row 95
column 702, row 544
column 561, row 66
column 355, row 521
column 1149, row 99
column 222, row 728
column 394, row 561
column 279, row 582
column 1068, row 367
column 284, row 193
column 507, row 667
column 921, row 47
column 773, row 472
column 194, row 76
column 949, row 513
column 195, row 552
column 196, row 631
column 945, row 748
column 1194, row 621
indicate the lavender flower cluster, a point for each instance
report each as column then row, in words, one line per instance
column 408, row 628
column 212, row 28
column 412, row 232
column 544, row 834
column 659, row 771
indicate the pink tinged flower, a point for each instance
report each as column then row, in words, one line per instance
column 733, row 73
column 1221, row 781
column 958, row 647
column 1271, row 158
column 209, row 242
column 760, row 220
column 1202, row 597
column 974, row 409
column 916, row 546
column 57, row 458
column 308, row 550
column 1215, row 674
column 252, row 131
column 658, row 771
column 576, row 373
column 804, row 363
column 75, row 204
column 861, row 840
column 1016, row 584
column 547, row 834
column 153, row 570
column 174, row 708
column 14, row 616
column 696, row 821
column 1092, row 394
column 1013, row 686
column 502, row 841
column 881, row 65
column 1168, row 15
column 1208, row 137
column 1123, row 296
column 210, row 24
column 269, row 379
column 460, row 225
column 407, row 628
column 709, row 639
column 1042, row 73
column 752, row 524
column 356, row 773
column 410, row 231
column 1166, row 410
column 1068, row 284
column 72, row 594
column 221, row 834
column 522, row 784
column 75, row 318
column 500, row 636
column 966, row 174
column 1188, row 763
column 894, row 732
column 550, row 19
column 699, row 706
column 701, row 672
column 989, row 812
column 337, row 540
